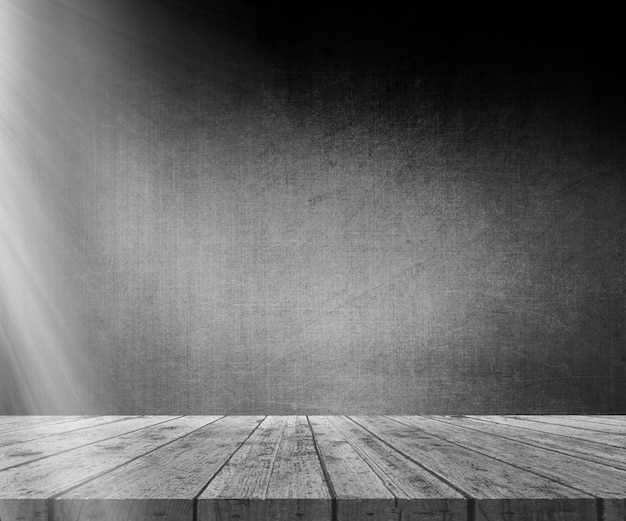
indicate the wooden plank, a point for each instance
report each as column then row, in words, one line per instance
column 592, row 479
column 604, row 454
column 377, row 469
column 501, row 490
column 609, row 420
column 4, row 418
column 92, row 509
column 20, row 453
column 19, row 423
column 25, row 488
column 533, row 509
column 417, row 493
column 358, row 491
column 614, row 510
column 577, row 422
column 44, row 431
column 613, row 440
column 275, row 475
column 162, row 484
column 7, row 419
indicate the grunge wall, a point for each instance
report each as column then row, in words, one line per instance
column 268, row 217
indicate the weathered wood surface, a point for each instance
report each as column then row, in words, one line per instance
column 372, row 480
column 17, row 454
column 163, row 483
column 587, row 450
column 24, row 489
column 317, row 468
column 499, row 488
column 578, row 432
column 598, row 479
column 18, row 423
column 611, row 420
column 43, row 431
column 578, row 424
column 276, row 472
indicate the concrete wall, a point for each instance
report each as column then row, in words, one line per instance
column 326, row 239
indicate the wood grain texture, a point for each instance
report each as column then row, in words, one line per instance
column 578, row 423
column 162, row 484
column 592, row 478
column 20, row 453
column 45, row 431
column 123, row 510
column 317, row 468
column 276, row 473
column 614, row 510
column 376, row 471
column 29, row 486
column 507, row 488
column 478, row 476
column 359, row 493
column 14, row 423
column 586, row 450
column 610, row 420
column 614, row 440
column 537, row 510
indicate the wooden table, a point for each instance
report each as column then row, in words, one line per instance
column 274, row 468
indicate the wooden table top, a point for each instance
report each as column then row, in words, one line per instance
column 312, row 468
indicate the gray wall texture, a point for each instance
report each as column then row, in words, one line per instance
column 323, row 239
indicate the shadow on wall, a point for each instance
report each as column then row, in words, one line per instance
column 250, row 236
